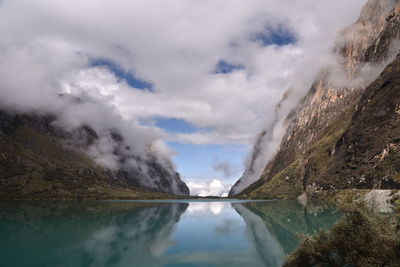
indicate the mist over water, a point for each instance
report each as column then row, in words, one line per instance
column 156, row 233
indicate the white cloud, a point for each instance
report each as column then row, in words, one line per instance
column 214, row 188
column 225, row 168
column 175, row 45
column 205, row 207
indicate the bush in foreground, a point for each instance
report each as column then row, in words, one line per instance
column 361, row 238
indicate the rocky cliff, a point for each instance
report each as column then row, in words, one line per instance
column 318, row 149
column 40, row 160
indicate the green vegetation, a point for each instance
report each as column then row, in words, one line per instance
column 321, row 152
column 363, row 237
column 389, row 167
column 38, row 166
column 284, row 185
column 308, row 168
column 341, row 197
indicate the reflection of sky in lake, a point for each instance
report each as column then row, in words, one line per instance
column 201, row 229
column 180, row 233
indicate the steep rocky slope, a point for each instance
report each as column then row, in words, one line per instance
column 367, row 155
column 316, row 139
column 39, row 160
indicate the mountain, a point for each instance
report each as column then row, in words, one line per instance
column 343, row 135
column 41, row 160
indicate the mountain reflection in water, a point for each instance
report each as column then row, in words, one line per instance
column 276, row 227
column 155, row 233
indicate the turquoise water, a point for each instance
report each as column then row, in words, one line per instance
column 156, row 233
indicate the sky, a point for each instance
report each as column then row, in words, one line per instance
column 201, row 77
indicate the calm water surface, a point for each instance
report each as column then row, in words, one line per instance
column 174, row 233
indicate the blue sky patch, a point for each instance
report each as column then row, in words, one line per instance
column 280, row 36
column 225, row 67
column 173, row 125
column 196, row 161
column 122, row 74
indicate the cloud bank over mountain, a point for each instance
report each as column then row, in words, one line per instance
column 221, row 66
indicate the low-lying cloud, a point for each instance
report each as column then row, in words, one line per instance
column 225, row 168
column 214, row 188
column 48, row 47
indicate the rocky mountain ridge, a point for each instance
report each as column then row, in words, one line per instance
column 315, row 135
column 40, row 160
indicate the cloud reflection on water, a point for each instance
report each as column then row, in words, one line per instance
column 155, row 234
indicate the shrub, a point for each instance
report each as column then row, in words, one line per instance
column 362, row 237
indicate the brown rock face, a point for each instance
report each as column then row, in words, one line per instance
column 39, row 160
column 309, row 145
column 368, row 153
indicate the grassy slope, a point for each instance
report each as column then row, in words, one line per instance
column 305, row 169
column 38, row 166
column 284, row 185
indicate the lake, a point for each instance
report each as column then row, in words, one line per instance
column 156, row 233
